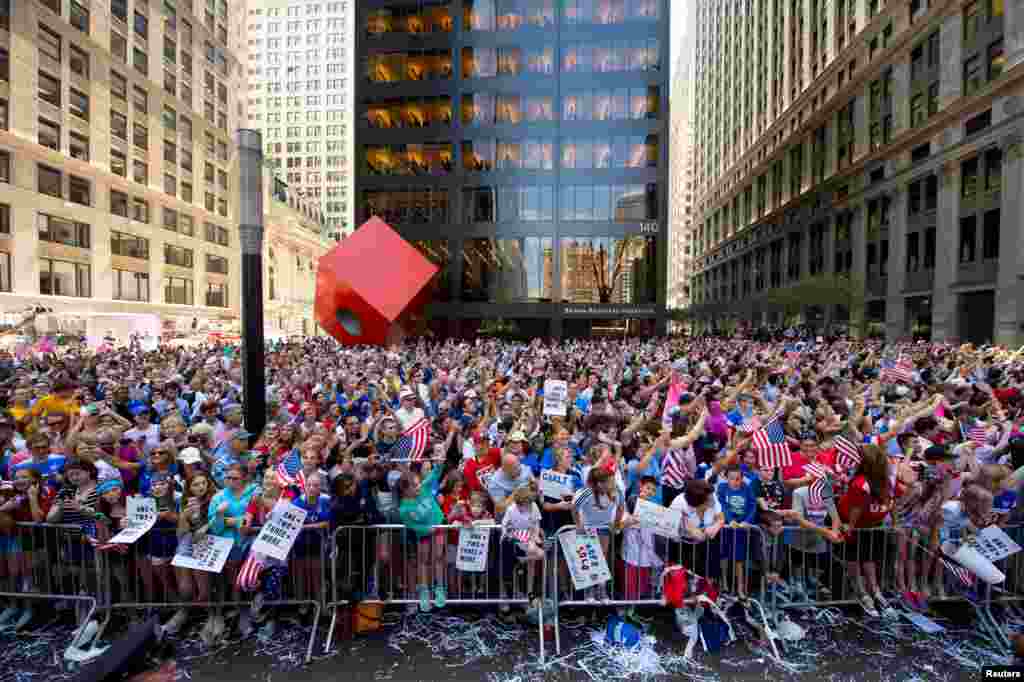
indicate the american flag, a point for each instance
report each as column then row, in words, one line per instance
column 900, row 371
column 770, row 444
column 413, row 442
column 847, row 452
column 248, row 579
column 965, row 577
column 817, row 470
column 289, row 471
column 978, row 434
column 743, row 424
column 820, row 492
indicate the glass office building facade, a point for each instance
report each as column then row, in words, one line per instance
column 522, row 145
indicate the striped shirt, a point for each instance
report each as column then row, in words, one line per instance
column 677, row 467
column 594, row 512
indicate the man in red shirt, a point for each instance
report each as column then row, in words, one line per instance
column 485, row 461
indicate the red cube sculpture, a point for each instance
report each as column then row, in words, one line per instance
column 366, row 283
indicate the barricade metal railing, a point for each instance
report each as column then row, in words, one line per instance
column 50, row 562
column 636, row 559
column 142, row 578
column 388, row 564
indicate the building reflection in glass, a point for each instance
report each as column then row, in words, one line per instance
column 438, row 252
column 424, row 17
column 395, row 67
column 409, row 112
column 508, row 270
column 609, row 269
column 417, row 206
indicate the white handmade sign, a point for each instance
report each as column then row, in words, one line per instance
column 280, row 530
column 586, row 561
column 994, row 544
column 555, row 485
column 471, row 555
column 140, row 517
column 556, row 393
column 663, row 521
column 208, row 554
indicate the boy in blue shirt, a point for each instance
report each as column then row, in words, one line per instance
column 739, row 504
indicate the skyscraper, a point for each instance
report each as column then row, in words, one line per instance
column 680, row 237
column 523, row 145
column 300, row 96
column 872, row 145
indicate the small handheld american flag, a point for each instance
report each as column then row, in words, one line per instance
column 847, row 452
column 896, row 372
column 770, row 444
column 524, row 535
column 413, row 442
column 978, row 434
column 289, row 471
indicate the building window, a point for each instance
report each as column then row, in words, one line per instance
column 119, row 9
column 79, row 16
column 178, row 290
column 63, row 231
column 217, row 295
column 141, row 26
column 64, row 278
column 968, row 238
column 972, row 20
column 186, row 225
column 222, row 207
column 4, row 115
column 216, row 264
column 170, row 184
column 972, row 75
column 140, row 60
column 994, row 170
column 917, row 110
column 78, row 104
column 969, row 178
column 124, row 244
column 178, row 256
column 996, row 60
column 131, row 286
column 118, row 163
column 186, row 192
column 5, row 65
column 78, row 145
column 5, row 219
column 990, row 235
column 49, row 134
column 79, row 191
column 140, row 210
column 118, row 125
column 119, row 203
column 50, row 181
column 5, row 271
column 49, row 44
column 119, row 47
column 215, row 234
column 5, row 166
column 140, row 136
column 49, row 89
column 170, row 219
column 140, row 172
column 913, row 251
column 79, row 61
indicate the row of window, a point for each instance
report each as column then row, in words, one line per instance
column 66, row 278
column 507, row 15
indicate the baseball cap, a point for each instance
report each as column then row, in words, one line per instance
column 190, row 456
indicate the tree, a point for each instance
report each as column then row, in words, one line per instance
column 823, row 290
column 604, row 284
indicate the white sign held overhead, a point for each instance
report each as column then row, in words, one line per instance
column 556, row 393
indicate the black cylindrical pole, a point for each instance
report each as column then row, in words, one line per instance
column 250, row 232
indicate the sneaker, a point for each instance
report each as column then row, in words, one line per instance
column 868, row 605
column 25, row 618
column 268, row 631
column 425, row 605
column 440, row 596
column 9, row 614
column 884, row 606
column 172, row 626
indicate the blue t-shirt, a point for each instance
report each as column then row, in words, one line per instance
column 318, row 511
column 634, row 472
column 1005, row 501
column 738, row 504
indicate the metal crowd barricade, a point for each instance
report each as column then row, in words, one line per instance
column 380, row 565
column 60, row 566
column 138, row 579
column 731, row 559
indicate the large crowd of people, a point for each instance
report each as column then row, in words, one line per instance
column 738, row 436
